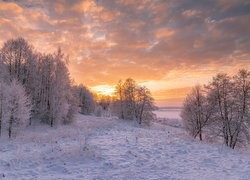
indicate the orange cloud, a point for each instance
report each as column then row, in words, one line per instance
column 164, row 32
column 10, row 9
column 87, row 6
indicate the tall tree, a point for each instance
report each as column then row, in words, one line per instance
column 2, row 103
column 241, row 97
column 144, row 104
column 118, row 103
column 17, row 55
column 221, row 88
column 129, row 94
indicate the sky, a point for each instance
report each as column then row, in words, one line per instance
column 167, row 45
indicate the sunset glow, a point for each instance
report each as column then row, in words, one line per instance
column 169, row 46
column 103, row 90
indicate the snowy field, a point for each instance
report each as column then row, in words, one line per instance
column 170, row 113
column 106, row 148
column 169, row 116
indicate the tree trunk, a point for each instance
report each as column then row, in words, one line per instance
column 225, row 135
column 30, row 122
column 200, row 135
column 1, row 115
column 141, row 113
column 10, row 124
column 51, row 122
column 1, row 112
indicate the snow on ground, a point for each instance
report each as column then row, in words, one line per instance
column 106, row 148
column 171, row 113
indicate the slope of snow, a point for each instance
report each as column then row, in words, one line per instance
column 102, row 148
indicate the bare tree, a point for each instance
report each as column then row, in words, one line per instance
column 197, row 112
column 104, row 101
column 133, row 102
column 118, row 103
column 144, row 105
column 17, row 55
column 129, row 93
column 222, row 89
column 2, row 103
column 222, row 108
column 241, row 97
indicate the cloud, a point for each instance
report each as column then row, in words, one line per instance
column 10, row 9
column 163, row 32
column 146, row 40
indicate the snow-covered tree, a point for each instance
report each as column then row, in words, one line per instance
column 2, row 103
column 221, row 88
column 241, row 98
column 223, row 109
column 129, row 93
column 104, row 101
column 197, row 112
column 45, row 78
column 17, row 107
column 54, row 102
column 60, row 89
column 133, row 102
column 17, row 56
column 144, row 105
column 117, row 105
column 85, row 99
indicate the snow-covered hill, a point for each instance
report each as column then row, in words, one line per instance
column 103, row 148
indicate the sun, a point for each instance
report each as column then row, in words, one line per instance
column 107, row 90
